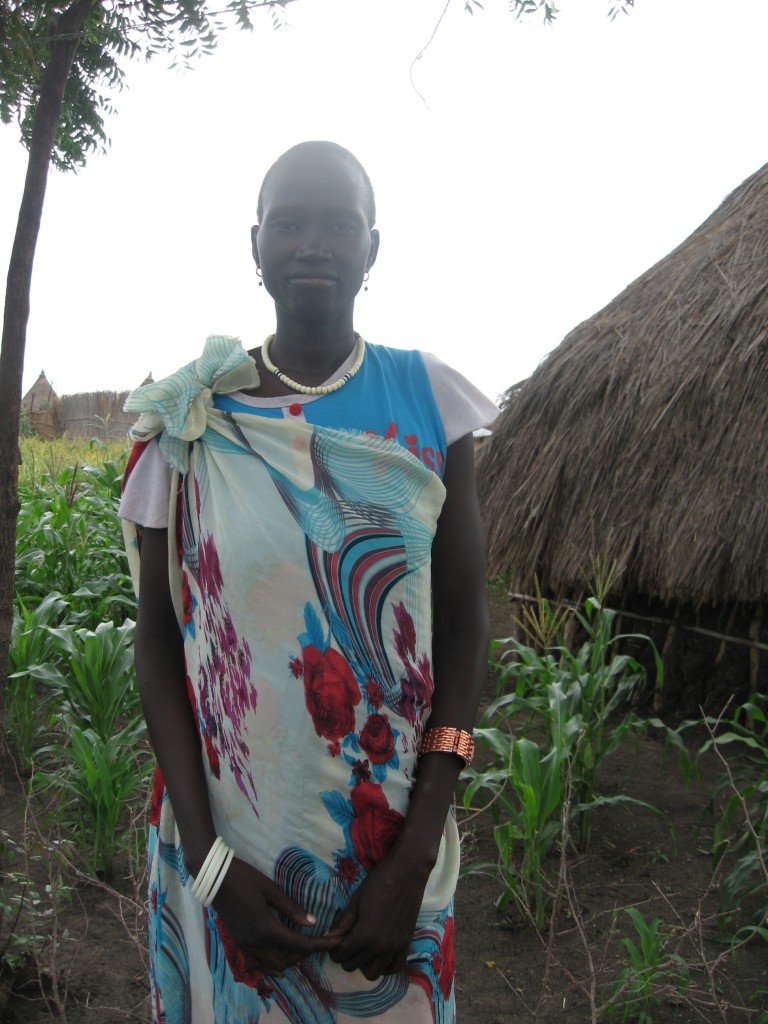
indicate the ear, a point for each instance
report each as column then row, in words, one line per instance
column 374, row 251
column 254, row 247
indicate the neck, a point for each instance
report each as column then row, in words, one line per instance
column 312, row 349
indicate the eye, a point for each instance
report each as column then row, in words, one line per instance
column 343, row 227
column 285, row 225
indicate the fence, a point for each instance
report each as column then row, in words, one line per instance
column 94, row 414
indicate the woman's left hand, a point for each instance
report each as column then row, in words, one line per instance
column 377, row 927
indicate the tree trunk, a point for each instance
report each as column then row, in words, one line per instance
column 64, row 42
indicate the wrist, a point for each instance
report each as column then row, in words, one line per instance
column 213, row 872
column 195, row 853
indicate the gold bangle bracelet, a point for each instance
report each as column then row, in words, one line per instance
column 444, row 740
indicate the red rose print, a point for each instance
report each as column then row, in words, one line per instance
column 330, row 691
column 443, row 962
column 348, row 868
column 297, row 668
column 361, row 771
column 375, row 826
column 373, row 694
column 377, row 739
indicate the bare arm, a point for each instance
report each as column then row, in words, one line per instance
column 247, row 900
column 378, row 926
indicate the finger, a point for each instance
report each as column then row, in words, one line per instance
column 400, row 963
column 362, row 956
column 377, row 968
column 362, row 962
column 345, row 923
column 289, row 908
column 342, row 928
column 303, row 945
column 267, row 965
column 274, row 963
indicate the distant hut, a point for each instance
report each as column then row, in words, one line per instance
column 644, row 438
column 86, row 414
column 41, row 405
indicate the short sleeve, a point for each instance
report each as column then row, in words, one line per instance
column 147, row 493
column 463, row 407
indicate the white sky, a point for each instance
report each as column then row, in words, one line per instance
column 548, row 168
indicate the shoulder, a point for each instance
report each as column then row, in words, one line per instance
column 147, row 489
column 394, row 358
column 463, row 407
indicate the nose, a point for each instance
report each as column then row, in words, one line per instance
column 313, row 244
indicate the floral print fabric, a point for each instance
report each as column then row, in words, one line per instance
column 302, row 588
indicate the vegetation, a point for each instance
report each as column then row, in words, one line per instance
column 562, row 709
column 558, row 715
column 73, row 720
column 60, row 64
column 647, row 969
column 741, row 833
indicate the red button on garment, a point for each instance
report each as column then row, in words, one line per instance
column 295, row 409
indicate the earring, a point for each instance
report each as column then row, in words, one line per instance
column 365, row 281
column 258, row 274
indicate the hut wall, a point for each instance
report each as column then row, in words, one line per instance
column 95, row 414
column 711, row 655
column 44, row 421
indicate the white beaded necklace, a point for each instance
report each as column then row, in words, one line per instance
column 322, row 389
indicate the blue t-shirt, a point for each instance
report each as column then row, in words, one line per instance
column 390, row 396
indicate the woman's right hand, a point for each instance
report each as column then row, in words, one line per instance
column 248, row 904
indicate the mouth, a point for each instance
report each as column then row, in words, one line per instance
column 314, row 280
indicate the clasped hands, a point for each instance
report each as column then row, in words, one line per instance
column 372, row 935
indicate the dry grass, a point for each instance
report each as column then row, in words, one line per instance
column 644, row 436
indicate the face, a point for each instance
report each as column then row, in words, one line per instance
column 313, row 244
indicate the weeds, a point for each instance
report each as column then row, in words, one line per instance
column 647, row 969
column 72, row 713
column 565, row 714
column 742, row 829
column 31, row 646
column 562, row 709
column 96, row 784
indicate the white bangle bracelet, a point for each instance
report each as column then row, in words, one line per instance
column 212, row 873
column 211, row 896
column 210, row 880
column 201, row 882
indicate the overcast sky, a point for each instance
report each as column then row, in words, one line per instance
column 524, row 178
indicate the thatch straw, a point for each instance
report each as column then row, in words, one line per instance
column 644, row 435
column 39, row 396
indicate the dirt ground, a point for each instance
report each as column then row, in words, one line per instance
column 505, row 971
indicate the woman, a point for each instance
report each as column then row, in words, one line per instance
column 311, row 639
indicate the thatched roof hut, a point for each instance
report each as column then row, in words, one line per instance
column 644, row 435
column 39, row 396
column 41, row 404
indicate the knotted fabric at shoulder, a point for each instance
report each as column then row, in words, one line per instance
column 177, row 407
